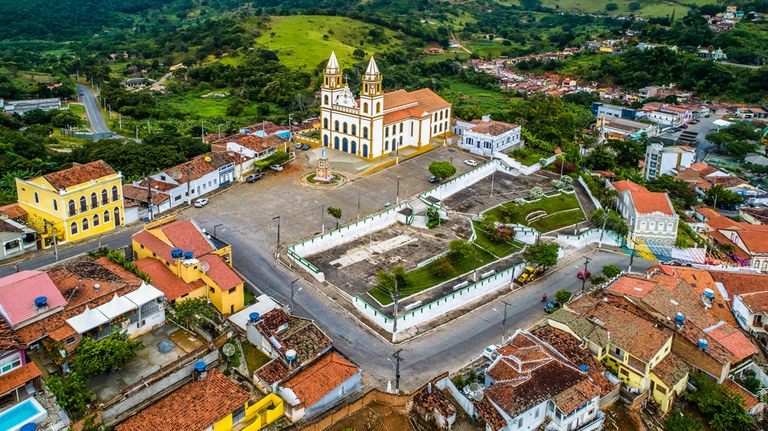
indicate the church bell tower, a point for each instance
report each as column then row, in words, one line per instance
column 371, row 95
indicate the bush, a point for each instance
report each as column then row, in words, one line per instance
column 596, row 280
column 611, row 7
column 611, row 271
column 502, row 234
column 443, row 267
column 635, row 6
column 562, row 296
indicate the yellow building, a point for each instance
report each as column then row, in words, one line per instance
column 637, row 350
column 76, row 203
column 210, row 402
column 183, row 262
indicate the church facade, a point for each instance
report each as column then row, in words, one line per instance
column 378, row 124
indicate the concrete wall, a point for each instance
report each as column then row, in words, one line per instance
column 441, row 306
column 347, row 388
column 459, row 397
column 592, row 198
column 143, row 396
column 588, row 237
column 400, row 403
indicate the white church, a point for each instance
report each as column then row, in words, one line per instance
column 377, row 123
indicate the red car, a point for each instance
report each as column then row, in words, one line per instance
column 583, row 274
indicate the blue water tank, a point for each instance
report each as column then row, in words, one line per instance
column 253, row 317
column 199, row 366
column 41, row 301
column 703, row 344
column 679, row 318
column 177, row 253
column 584, row 368
column 189, row 254
column 29, row 427
column 709, row 293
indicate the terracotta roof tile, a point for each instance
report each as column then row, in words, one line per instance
column 756, row 301
column 488, row 412
column 142, row 195
column 18, row 292
column 273, row 371
column 19, row 377
column 671, row 370
column 194, row 407
column 185, row 234
column 221, row 274
column 163, row 279
column 734, row 341
column 79, row 174
column 13, row 211
column 632, row 286
column 199, row 166
column 493, row 128
column 428, row 100
column 732, row 388
column 755, row 241
column 740, row 283
column 320, row 377
column 624, row 185
column 650, row 202
column 8, row 339
column 432, row 398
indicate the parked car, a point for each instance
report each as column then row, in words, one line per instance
column 490, row 351
column 683, row 126
column 298, row 146
column 551, row 307
column 433, row 179
column 201, row 202
column 305, row 147
column 276, row 168
column 253, row 178
column 583, row 274
column 470, row 162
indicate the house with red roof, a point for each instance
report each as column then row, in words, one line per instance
column 749, row 242
column 185, row 262
column 650, row 215
column 486, row 137
column 529, row 383
column 19, row 377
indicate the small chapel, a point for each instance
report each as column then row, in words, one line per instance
column 376, row 123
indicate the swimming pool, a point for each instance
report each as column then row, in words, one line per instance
column 23, row 413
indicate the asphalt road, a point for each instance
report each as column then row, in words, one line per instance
column 703, row 128
column 92, row 109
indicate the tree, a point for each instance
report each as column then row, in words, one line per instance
column 562, row 296
column 71, row 392
column 190, row 310
column 720, row 405
column 739, row 149
column 680, row 422
column 335, row 213
column 65, row 118
column 611, row 7
column 442, row 169
column 725, row 198
column 545, row 254
column 443, row 267
column 392, row 282
column 611, row 271
column 237, row 106
column 97, row 357
column 633, row 6
column 601, row 159
column 752, row 384
column 460, row 250
column 628, row 152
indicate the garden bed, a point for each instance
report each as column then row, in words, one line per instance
column 483, row 239
column 561, row 210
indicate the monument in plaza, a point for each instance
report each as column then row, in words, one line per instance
column 323, row 173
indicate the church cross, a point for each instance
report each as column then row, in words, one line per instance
column 346, row 80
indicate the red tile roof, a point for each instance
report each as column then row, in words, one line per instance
column 221, row 274
column 671, row 370
column 194, row 407
column 740, row 283
column 185, row 234
column 739, row 346
column 320, row 378
column 756, row 301
column 755, row 241
column 18, row 377
column 632, row 286
column 79, row 174
column 142, row 195
column 8, row 339
column 199, row 166
column 624, row 185
column 732, row 388
column 273, row 371
column 163, row 279
column 650, row 202
column 18, row 292
column 493, row 128
column 13, row 211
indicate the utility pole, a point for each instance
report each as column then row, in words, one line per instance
column 189, row 184
column 602, row 231
column 120, row 118
column 396, row 298
column 631, row 256
column 46, row 223
column 293, row 292
column 149, row 196
column 322, row 218
column 202, row 131
column 398, row 359
column 277, row 247
column 474, row 247
column 358, row 203
column 493, row 173
column 149, row 126
column 397, row 198
column 504, row 320
column 137, row 133
column 584, row 279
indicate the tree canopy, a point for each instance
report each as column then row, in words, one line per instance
column 545, row 254
column 442, row 169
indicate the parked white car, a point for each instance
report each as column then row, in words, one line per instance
column 490, row 351
column 470, row 162
column 277, row 168
column 201, row 202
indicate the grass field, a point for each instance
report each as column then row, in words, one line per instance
column 562, row 210
column 648, row 9
column 423, row 278
column 487, row 100
column 500, row 250
column 305, row 41
column 194, row 106
column 529, row 156
column 254, row 357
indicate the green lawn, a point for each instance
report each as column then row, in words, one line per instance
column 193, row 105
column 423, row 278
column 500, row 250
column 305, row 41
column 648, row 8
column 254, row 357
column 529, row 156
column 562, row 210
column 488, row 100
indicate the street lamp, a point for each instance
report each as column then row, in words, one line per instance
column 277, row 246
column 322, row 217
column 293, row 293
column 584, row 278
column 215, row 226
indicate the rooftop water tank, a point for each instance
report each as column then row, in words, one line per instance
column 28, row 427
column 584, row 368
column 177, row 253
column 709, row 293
column 290, row 354
column 679, row 318
column 200, row 366
column 189, row 254
column 253, row 317
column 703, row 344
column 41, row 301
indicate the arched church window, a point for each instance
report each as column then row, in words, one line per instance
column 354, row 129
column 344, row 127
column 325, row 140
column 325, row 100
column 365, row 132
column 365, row 108
column 401, row 127
column 336, row 125
column 378, row 107
column 325, row 123
column 386, row 132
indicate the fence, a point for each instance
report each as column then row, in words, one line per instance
column 440, row 306
column 343, row 234
column 592, row 236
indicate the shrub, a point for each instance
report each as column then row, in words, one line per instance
column 597, row 280
column 502, row 234
column 611, row 271
column 635, row 6
column 611, row 7
column 443, row 267
column 562, row 296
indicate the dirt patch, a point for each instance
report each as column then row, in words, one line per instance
column 186, row 341
column 477, row 197
column 374, row 417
